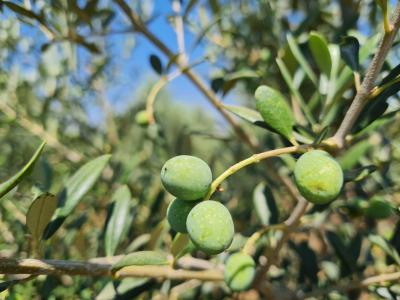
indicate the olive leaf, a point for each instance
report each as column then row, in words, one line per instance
column 180, row 243
column 320, row 52
column 265, row 205
column 385, row 246
column 341, row 251
column 320, row 137
column 40, row 213
column 117, row 219
column 75, row 190
column 349, row 50
column 26, row 171
column 231, row 79
column 351, row 157
column 156, row 64
column 141, row 258
column 358, row 174
column 274, row 111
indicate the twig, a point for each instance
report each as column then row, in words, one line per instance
column 369, row 80
column 73, row 268
column 176, row 6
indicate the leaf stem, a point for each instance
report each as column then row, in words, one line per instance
column 251, row 160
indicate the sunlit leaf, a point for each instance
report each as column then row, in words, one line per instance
column 385, row 246
column 180, row 243
column 26, row 171
column 141, row 258
column 40, row 213
column 75, row 190
column 265, row 205
column 320, row 51
column 358, row 174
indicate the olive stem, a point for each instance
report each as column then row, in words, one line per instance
column 258, row 234
column 252, row 160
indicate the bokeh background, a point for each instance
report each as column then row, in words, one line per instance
column 75, row 72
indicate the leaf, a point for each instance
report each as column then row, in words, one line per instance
column 217, row 84
column 274, row 111
column 265, row 205
column 23, row 11
column 81, row 14
column 6, row 284
column 392, row 75
column 189, row 7
column 40, row 213
column 141, row 258
column 385, row 246
column 117, row 219
column 26, row 171
column 293, row 90
column 349, row 50
column 341, row 250
column 231, row 79
column 320, row 51
column 358, row 174
column 320, row 137
column 377, row 123
column 156, row 64
column 214, row 7
column 75, row 190
column 395, row 241
column 202, row 33
column 301, row 59
column 179, row 244
column 351, row 157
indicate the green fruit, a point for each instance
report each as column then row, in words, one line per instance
column 239, row 272
column 142, row 118
column 186, row 177
column 318, row 177
column 177, row 213
column 210, row 227
column 378, row 208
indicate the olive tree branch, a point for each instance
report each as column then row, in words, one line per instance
column 369, row 80
column 176, row 7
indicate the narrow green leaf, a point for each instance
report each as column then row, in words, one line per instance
column 189, row 7
column 265, row 205
column 117, row 219
column 40, row 213
column 351, row 157
column 386, row 118
column 274, row 111
column 81, row 14
column 156, row 64
column 301, row 59
column 180, row 243
column 358, row 174
column 320, row 137
column 202, row 33
column 349, row 50
column 320, row 51
column 217, row 84
column 341, row 250
column 392, row 75
column 294, row 91
column 26, row 171
column 75, row 190
column 214, row 7
column 141, row 258
column 385, row 246
column 231, row 79
column 23, row 11
column 6, row 284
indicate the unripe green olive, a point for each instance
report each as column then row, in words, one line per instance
column 318, row 176
column 210, row 227
column 177, row 213
column 239, row 272
column 186, row 177
column 142, row 118
column 378, row 208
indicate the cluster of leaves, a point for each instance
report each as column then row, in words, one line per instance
column 116, row 206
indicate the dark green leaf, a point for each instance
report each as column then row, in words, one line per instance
column 358, row 174
column 386, row 118
column 385, row 246
column 214, row 7
column 156, row 64
column 23, row 11
column 320, row 137
column 40, row 213
column 341, row 251
column 141, row 258
column 75, row 190
column 274, row 111
column 265, row 205
column 320, row 51
column 81, row 14
column 117, row 219
column 5, row 285
column 217, row 84
column 392, row 75
column 21, row 175
column 189, row 8
column 349, row 49
column 395, row 241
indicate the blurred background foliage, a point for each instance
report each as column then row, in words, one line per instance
column 63, row 75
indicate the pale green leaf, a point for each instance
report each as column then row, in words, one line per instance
column 141, row 258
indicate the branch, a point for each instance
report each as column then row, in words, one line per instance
column 369, row 80
column 73, row 268
column 176, row 6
